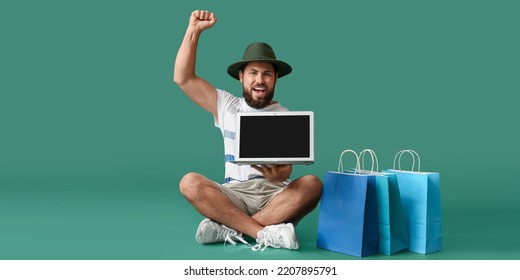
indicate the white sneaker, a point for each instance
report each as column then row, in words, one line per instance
column 277, row 236
column 211, row 232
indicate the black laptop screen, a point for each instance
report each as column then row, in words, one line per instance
column 275, row 136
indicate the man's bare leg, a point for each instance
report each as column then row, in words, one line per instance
column 298, row 199
column 209, row 200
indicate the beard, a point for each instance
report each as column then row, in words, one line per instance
column 260, row 102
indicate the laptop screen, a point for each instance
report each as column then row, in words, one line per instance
column 276, row 136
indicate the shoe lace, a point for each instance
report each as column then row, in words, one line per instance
column 268, row 239
column 229, row 234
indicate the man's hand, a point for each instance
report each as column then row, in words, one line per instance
column 202, row 20
column 274, row 173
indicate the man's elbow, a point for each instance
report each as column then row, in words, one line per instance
column 182, row 79
column 179, row 80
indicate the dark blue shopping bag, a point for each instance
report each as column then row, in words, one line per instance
column 348, row 221
column 421, row 202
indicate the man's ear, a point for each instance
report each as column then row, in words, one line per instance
column 240, row 75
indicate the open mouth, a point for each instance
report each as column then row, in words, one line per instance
column 259, row 91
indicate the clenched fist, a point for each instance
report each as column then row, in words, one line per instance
column 202, row 20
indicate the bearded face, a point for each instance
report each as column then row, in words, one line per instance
column 258, row 96
column 258, row 83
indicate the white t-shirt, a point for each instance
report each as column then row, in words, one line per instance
column 228, row 106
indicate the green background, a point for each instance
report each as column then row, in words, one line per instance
column 94, row 136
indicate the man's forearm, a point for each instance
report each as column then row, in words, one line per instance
column 186, row 57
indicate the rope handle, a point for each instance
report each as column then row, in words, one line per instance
column 374, row 160
column 340, row 164
column 414, row 154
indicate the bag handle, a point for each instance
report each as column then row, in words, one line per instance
column 414, row 154
column 340, row 164
column 398, row 155
column 374, row 160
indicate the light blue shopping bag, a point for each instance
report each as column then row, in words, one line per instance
column 421, row 202
column 393, row 236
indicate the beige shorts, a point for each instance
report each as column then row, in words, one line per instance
column 253, row 195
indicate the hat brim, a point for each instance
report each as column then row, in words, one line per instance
column 282, row 67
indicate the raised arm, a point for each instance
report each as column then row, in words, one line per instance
column 196, row 88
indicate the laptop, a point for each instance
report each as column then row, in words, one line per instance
column 275, row 138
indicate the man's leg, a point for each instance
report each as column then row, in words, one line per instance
column 207, row 197
column 298, row 199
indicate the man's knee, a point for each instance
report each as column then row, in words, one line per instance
column 190, row 183
column 312, row 185
column 313, row 182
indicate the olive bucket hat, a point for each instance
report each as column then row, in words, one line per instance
column 259, row 52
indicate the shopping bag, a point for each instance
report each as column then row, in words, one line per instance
column 421, row 202
column 391, row 224
column 348, row 213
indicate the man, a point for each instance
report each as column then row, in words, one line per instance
column 259, row 201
